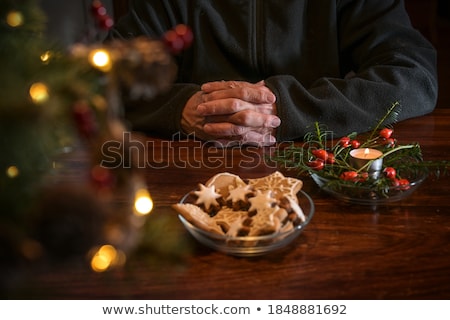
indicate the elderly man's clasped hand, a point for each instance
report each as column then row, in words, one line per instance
column 232, row 112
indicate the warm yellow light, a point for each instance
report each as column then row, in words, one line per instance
column 12, row 172
column 39, row 92
column 100, row 59
column 14, row 19
column 143, row 202
column 104, row 258
column 45, row 57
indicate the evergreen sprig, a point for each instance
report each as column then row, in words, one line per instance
column 327, row 160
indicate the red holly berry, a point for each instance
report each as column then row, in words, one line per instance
column 320, row 154
column 390, row 142
column 355, row 144
column 344, row 142
column 330, row 159
column 349, row 175
column 363, row 176
column 390, row 172
column 402, row 184
column 386, row 133
column 317, row 164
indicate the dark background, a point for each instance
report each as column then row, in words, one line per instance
column 70, row 21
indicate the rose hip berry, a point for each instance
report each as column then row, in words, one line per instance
column 386, row 133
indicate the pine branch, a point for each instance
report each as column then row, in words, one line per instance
column 389, row 118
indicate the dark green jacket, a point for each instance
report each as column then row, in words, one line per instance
column 339, row 62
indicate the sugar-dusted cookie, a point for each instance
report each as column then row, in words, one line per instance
column 265, row 222
column 223, row 181
column 261, row 201
column 207, row 196
column 296, row 208
column 239, row 193
column 199, row 218
column 227, row 205
column 230, row 220
column 278, row 184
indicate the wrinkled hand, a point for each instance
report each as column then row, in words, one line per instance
column 232, row 112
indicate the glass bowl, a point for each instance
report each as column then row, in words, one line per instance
column 367, row 195
column 248, row 246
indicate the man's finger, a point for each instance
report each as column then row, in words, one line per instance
column 250, row 94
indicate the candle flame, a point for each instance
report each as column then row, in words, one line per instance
column 366, row 152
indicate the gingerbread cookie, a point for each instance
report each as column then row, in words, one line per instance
column 227, row 205
column 207, row 196
column 278, row 184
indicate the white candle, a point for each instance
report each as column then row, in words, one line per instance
column 366, row 154
column 361, row 157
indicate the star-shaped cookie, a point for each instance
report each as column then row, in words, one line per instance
column 261, row 201
column 238, row 193
column 207, row 196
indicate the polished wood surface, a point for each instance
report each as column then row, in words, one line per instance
column 395, row 251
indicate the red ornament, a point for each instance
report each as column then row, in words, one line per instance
column 98, row 9
column 178, row 39
column 106, row 22
column 173, row 42
column 185, row 33
column 84, row 119
column 101, row 16
column 102, row 178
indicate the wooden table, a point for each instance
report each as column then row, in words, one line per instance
column 395, row 251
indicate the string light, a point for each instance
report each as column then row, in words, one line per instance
column 12, row 172
column 46, row 56
column 39, row 92
column 106, row 257
column 14, row 19
column 100, row 59
column 143, row 202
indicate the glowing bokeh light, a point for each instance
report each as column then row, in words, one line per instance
column 143, row 203
column 100, row 59
column 12, row 172
column 39, row 92
column 104, row 258
column 46, row 56
column 14, row 19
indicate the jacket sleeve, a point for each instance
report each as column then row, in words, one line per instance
column 385, row 60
